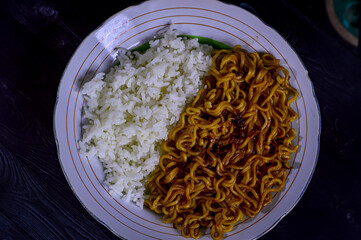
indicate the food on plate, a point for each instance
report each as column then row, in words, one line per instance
column 206, row 133
column 230, row 151
column 130, row 110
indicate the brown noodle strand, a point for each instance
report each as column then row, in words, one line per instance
column 229, row 152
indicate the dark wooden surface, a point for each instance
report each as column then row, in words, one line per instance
column 38, row 37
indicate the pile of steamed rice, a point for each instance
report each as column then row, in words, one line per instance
column 130, row 110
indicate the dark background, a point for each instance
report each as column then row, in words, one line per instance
column 37, row 39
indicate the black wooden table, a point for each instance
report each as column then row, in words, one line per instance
column 38, row 37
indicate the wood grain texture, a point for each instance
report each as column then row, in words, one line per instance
column 38, row 38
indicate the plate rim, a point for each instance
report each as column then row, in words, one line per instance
column 271, row 29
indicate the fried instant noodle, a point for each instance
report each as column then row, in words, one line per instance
column 230, row 150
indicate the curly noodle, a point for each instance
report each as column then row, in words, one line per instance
column 231, row 148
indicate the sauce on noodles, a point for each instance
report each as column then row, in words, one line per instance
column 231, row 148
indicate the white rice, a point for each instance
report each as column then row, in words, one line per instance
column 130, row 110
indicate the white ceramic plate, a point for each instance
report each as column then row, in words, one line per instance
column 135, row 25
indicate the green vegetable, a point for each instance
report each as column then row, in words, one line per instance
column 203, row 40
